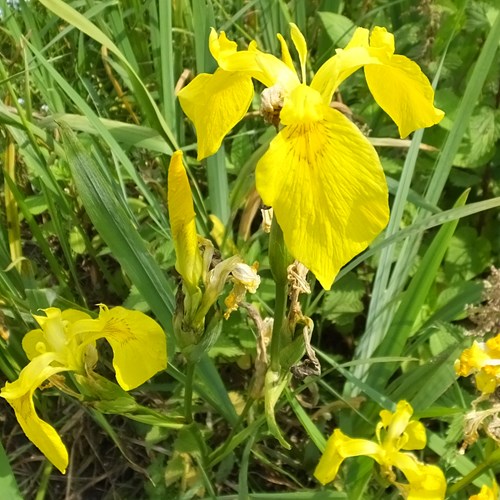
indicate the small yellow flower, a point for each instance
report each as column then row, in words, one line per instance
column 487, row 493
column 483, row 360
column 394, row 432
column 66, row 341
column 322, row 177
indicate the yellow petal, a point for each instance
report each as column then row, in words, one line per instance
column 487, row 493
column 182, row 223
column 471, row 359
column 215, row 104
column 285, row 53
column 339, row 447
column 327, row 188
column 404, row 93
column 424, row 481
column 19, row 394
column 487, row 382
column 34, row 343
column 398, row 423
column 301, row 45
column 345, row 62
column 138, row 343
column 415, row 435
column 302, row 105
column 220, row 46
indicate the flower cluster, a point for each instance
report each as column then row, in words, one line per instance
column 322, row 177
column 394, row 432
column 483, row 360
column 66, row 341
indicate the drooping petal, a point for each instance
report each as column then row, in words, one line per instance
column 215, row 104
column 424, row 481
column 138, row 343
column 404, row 93
column 339, row 447
column 397, row 83
column 301, row 45
column 19, row 395
column 182, row 223
column 327, row 188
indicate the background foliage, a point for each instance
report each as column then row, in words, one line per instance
column 79, row 228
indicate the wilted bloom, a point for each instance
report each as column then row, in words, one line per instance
column 482, row 360
column 487, row 493
column 320, row 174
column 395, row 432
column 66, row 341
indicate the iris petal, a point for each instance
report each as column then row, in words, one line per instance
column 404, row 93
column 339, row 447
column 182, row 223
column 301, row 45
column 424, row 481
column 19, row 394
column 138, row 343
column 326, row 185
column 215, row 104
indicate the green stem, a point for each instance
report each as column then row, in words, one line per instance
column 493, row 459
column 279, row 259
column 279, row 324
column 188, row 393
column 218, row 454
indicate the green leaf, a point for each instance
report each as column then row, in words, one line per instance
column 8, row 484
column 338, row 27
column 112, row 220
column 468, row 255
column 345, row 301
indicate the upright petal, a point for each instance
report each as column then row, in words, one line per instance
column 19, row 395
column 215, row 104
column 301, row 45
column 182, row 223
column 328, row 191
column 339, row 447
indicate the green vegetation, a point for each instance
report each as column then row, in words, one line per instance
column 89, row 120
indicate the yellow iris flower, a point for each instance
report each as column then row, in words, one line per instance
column 66, row 341
column 320, row 174
column 394, row 432
column 487, row 493
column 482, row 359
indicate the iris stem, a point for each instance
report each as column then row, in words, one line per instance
column 188, row 392
column 279, row 324
column 278, row 260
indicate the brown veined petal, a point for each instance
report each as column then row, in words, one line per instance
column 328, row 191
column 215, row 104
